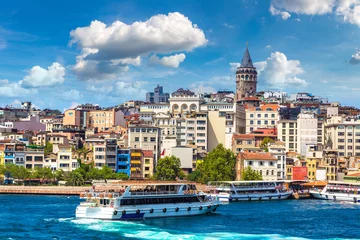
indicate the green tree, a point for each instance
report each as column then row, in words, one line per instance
column 75, row 179
column 265, row 143
column 248, row 174
column 42, row 173
column 169, row 168
column 194, row 176
column 48, row 148
column 122, row 176
column 218, row 165
column 59, row 175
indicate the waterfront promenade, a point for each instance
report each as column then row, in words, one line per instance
column 73, row 190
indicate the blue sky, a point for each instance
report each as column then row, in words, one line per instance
column 106, row 52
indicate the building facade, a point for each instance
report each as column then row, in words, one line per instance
column 158, row 96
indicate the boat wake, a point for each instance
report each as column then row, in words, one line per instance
column 138, row 230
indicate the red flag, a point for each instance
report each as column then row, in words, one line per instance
column 163, row 152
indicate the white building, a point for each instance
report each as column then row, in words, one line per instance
column 307, row 128
column 264, row 116
column 277, row 149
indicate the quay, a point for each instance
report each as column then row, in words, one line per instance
column 72, row 190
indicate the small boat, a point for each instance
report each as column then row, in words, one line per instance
column 338, row 191
column 137, row 202
column 250, row 190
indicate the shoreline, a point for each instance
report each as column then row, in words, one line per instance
column 64, row 190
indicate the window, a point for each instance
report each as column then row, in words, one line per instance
column 341, row 140
column 272, row 115
column 266, row 122
column 38, row 158
column 291, row 125
column 266, row 115
column 251, row 122
column 152, row 139
column 136, row 139
column 261, row 163
column 145, row 139
column 28, row 158
column 147, row 161
column 250, row 163
column 341, row 134
column 251, row 115
column 350, row 140
column 259, row 122
column 147, row 168
column 349, row 134
column 272, row 122
column 341, row 147
column 271, row 163
column 259, row 115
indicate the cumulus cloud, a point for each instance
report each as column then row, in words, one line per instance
column 10, row 89
column 40, row 77
column 234, row 66
column 98, row 89
column 170, row 61
column 71, row 95
column 283, row 14
column 347, row 10
column 110, row 49
column 279, row 72
column 202, row 88
column 268, row 46
column 309, row 7
column 355, row 58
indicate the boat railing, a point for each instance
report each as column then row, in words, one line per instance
column 142, row 193
column 89, row 195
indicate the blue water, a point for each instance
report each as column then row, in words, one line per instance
column 52, row 217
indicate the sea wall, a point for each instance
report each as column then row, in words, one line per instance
column 70, row 190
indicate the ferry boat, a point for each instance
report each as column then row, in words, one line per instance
column 338, row 191
column 250, row 190
column 137, row 202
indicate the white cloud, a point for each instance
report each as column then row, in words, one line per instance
column 228, row 25
column 309, row 7
column 268, row 46
column 170, row 61
column 234, row 66
column 347, row 10
column 107, row 50
column 40, row 77
column 70, row 95
column 98, row 89
column 129, row 89
column 355, row 58
column 279, row 72
column 9, row 89
column 223, row 80
column 202, row 88
column 324, row 81
column 298, row 20
column 275, row 12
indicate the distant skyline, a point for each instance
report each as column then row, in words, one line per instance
column 72, row 52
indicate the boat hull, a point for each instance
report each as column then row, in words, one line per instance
column 260, row 197
column 336, row 197
column 148, row 212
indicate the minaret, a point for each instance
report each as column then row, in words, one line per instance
column 246, row 77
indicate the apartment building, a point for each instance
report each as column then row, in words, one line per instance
column 14, row 153
column 307, row 130
column 263, row 116
column 64, row 158
column 264, row 163
column 145, row 137
column 277, row 149
column 34, row 157
column 123, row 160
column 287, row 133
column 148, row 164
column 136, row 164
column 343, row 134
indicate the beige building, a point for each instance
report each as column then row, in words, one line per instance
column 264, row 116
column 264, row 163
column 64, row 158
column 343, row 134
column 145, row 137
column 34, row 157
column 148, row 165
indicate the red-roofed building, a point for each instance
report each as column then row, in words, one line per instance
column 148, row 165
column 263, row 162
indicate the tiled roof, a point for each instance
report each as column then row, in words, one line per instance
column 354, row 175
column 243, row 136
column 147, row 153
column 273, row 107
column 257, row 156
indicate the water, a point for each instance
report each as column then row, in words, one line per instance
column 52, row 217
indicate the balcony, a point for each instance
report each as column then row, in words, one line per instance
column 136, row 154
column 9, row 156
column 112, row 153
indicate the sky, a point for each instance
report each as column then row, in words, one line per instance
column 106, row 52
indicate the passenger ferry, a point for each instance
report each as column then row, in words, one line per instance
column 338, row 191
column 250, row 190
column 137, row 202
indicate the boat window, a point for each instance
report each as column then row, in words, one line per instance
column 101, row 201
column 142, row 201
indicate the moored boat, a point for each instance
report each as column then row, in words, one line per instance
column 338, row 191
column 138, row 202
column 251, row 190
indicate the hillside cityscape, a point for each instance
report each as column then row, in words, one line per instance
column 281, row 136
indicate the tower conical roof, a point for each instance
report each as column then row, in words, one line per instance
column 246, row 61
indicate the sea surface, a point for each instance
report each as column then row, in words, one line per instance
column 52, row 217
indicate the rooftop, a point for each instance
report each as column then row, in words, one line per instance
column 257, row 156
